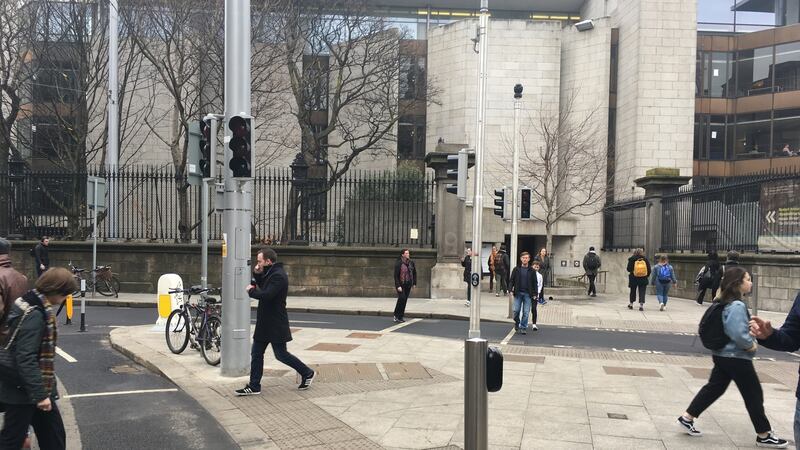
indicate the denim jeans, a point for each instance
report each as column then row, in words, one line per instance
column 522, row 304
column 662, row 291
column 797, row 422
column 281, row 354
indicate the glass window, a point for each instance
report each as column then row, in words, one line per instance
column 716, row 138
column 315, row 78
column 752, row 138
column 698, row 135
column 787, row 66
column 720, row 75
column 753, row 72
column 701, row 85
column 412, row 78
column 411, row 138
column 786, row 136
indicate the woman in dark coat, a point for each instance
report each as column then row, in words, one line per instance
column 709, row 278
column 638, row 282
column 32, row 400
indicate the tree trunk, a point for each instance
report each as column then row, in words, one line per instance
column 290, row 226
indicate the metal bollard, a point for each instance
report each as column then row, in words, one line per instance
column 754, row 293
column 83, row 306
column 476, row 420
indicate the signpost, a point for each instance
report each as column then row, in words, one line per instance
column 96, row 196
column 779, row 228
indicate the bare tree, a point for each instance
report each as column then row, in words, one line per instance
column 177, row 39
column 343, row 65
column 562, row 159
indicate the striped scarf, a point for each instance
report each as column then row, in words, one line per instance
column 47, row 349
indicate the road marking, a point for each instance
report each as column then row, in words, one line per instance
column 107, row 394
column 399, row 325
column 562, row 346
column 633, row 350
column 508, row 337
column 795, row 354
column 307, row 321
column 65, row 355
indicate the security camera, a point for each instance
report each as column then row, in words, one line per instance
column 585, row 25
column 518, row 91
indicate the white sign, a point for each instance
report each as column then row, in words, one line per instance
column 713, row 135
column 414, row 233
column 716, row 72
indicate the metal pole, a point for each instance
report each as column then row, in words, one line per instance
column 475, row 392
column 754, row 292
column 83, row 305
column 204, row 232
column 112, row 154
column 476, row 419
column 515, row 186
column 238, row 208
column 94, row 243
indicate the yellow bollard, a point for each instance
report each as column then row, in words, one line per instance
column 69, row 307
column 164, row 305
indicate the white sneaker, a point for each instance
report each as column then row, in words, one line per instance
column 663, row 307
column 497, row 294
column 466, row 303
column 534, row 327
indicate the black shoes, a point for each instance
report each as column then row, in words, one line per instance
column 396, row 320
column 630, row 305
column 771, row 441
column 247, row 390
column 688, row 427
column 306, row 381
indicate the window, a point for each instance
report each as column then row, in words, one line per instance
column 719, row 76
column 786, row 131
column 716, row 138
column 411, row 138
column 58, row 85
column 315, row 80
column 412, row 77
column 51, row 140
column 752, row 136
column 787, row 66
column 754, row 72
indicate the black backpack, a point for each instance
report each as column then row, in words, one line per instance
column 711, row 331
column 592, row 262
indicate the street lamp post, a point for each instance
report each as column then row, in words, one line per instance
column 515, row 184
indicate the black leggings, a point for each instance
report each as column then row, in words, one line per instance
column 47, row 425
column 742, row 372
column 642, row 289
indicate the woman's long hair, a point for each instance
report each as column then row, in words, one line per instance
column 730, row 287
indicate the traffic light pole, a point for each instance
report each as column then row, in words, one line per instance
column 475, row 348
column 238, row 199
column 112, row 155
column 515, row 187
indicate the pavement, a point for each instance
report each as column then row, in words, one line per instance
column 396, row 390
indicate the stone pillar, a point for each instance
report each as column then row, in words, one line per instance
column 447, row 280
column 657, row 183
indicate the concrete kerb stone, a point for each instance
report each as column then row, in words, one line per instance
column 242, row 431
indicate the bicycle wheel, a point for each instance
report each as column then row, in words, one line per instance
column 105, row 288
column 114, row 281
column 177, row 331
column 212, row 341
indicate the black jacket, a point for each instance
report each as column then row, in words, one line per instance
column 715, row 268
column 272, row 321
column 638, row 281
column 787, row 338
column 466, row 263
column 533, row 282
column 26, row 348
column 503, row 269
column 411, row 267
column 592, row 271
column 41, row 253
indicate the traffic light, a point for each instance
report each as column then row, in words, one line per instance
column 500, row 202
column 457, row 166
column 240, row 145
column 525, row 203
column 194, row 174
column 206, row 162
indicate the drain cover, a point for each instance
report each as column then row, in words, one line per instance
column 125, row 368
column 617, row 416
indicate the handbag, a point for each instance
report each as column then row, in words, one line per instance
column 8, row 363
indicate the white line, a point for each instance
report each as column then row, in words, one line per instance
column 399, row 325
column 65, row 355
column 105, row 394
column 508, row 337
column 795, row 354
column 306, row 321
column 562, row 346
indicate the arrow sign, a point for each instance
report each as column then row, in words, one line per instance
column 771, row 217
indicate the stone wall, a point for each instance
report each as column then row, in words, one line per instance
column 313, row 271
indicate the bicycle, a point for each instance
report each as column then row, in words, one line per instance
column 104, row 281
column 199, row 323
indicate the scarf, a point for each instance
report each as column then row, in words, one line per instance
column 405, row 273
column 47, row 349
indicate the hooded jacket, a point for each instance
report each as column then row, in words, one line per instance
column 12, row 285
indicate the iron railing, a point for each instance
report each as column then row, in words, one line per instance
column 624, row 225
column 363, row 208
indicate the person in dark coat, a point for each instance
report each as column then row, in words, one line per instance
column 466, row 263
column 12, row 283
column 501, row 266
column 42, row 254
column 732, row 259
column 591, row 264
column 523, row 283
column 637, row 282
column 32, row 400
column 270, row 287
column 405, row 277
column 784, row 339
column 710, row 277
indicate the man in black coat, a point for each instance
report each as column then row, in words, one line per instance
column 270, row 288
column 42, row 254
column 405, row 277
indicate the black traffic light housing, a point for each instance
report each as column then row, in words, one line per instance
column 525, row 203
column 206, row 162
column 500, row 202
column 240, row 146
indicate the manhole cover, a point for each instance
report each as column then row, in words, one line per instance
column 332, row 373
column 702, row 374
column 358, row 335
column 524, row 358
column 632, row 371
column 617, row 416
column 329, row 347
column 406, row 371
column 125, row 368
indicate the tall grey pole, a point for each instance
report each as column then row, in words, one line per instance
column 204, row 232
column 476, row 419
column 238, row 199
column 112, row 153
column 94, row 241
column 515, row 184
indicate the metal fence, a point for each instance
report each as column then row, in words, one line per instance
column 364, row 208
column 624, row 225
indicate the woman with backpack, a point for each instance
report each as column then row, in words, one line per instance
column 31, row 401
column 663, row 278
column 709, row 277
column 638, row 277
column 734, row 362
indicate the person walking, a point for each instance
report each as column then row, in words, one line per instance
column 732, row 260
column 270, row 286
column 535, row 304
column 638, row 275
column 466, row 263
column 784, row 339
column 501, row 267
column 709, row 277
column 405, row 277
column 492, row 255
column 42, row 255
column 12, row 283
column 734, row 362
column 523, row 285
column 591, row 265
column 663, row 277
column 544, row 266
column 32, row 335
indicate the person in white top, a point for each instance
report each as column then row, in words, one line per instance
column 539, row 286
